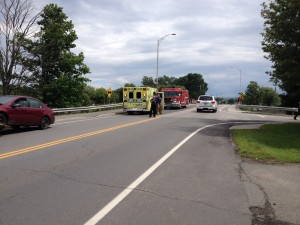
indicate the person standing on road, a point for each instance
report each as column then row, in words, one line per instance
column 298, row 112
column 153, row 108
column 158, row 102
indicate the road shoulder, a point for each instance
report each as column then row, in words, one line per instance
column 273, row 189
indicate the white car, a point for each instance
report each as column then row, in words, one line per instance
column 207, row 102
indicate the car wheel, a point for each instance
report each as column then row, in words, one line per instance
column 44, row 124
column 15, row 127
column 3, row 119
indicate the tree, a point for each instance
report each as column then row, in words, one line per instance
column 256, row 95
column 194, row 83
column 89, row 95
column 220, row 100
column 270, row 97
column 59, row 72
column 129, row 85
column 114, row 97
column 230, row 101
column 253, row 94
column 16, row 25
column 281, row 41
column 162, row 81
column 167, row 81
column 101, row 96
column 148, row 81
column 119, row 94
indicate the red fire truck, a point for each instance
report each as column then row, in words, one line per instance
column 175, row 97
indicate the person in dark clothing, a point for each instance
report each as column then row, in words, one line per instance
column 153, row 108
column 158, row 104
column 297, row 113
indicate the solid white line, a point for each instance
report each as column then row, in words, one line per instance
column 223, row 107
column 106, row 209
column 81, row 119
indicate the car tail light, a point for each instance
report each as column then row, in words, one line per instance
column 213, row 102
column 198, row 101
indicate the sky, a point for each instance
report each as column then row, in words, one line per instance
column 219, row 39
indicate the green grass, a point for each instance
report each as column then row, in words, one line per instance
column 273, row 143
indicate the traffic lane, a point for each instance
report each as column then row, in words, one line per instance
column 186, row 127
column 24, row 137
column 71, row 181
column 199, row 184
column 62, row 130
column 21, row 172
column 12, row 140
column 231, row 113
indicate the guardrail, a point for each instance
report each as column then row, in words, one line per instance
column 94, row 108
column 257, row 108
column 272, row 109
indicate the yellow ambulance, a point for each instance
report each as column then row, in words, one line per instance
column 137, row 99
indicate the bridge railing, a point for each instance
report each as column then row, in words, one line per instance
column 270, row 109
column 59, row 111
column 258, row 108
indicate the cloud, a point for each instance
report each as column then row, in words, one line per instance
column 119, row 40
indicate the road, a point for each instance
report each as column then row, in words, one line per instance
column 107, row 168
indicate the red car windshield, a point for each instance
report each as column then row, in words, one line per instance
column 5, row 99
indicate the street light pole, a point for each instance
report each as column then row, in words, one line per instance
column 157, row 56
column 240, row 77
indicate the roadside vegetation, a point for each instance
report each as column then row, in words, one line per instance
column 257, row 95
column 272, row 143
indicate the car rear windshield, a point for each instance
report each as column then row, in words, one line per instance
column 5, row 99
column 206, row 98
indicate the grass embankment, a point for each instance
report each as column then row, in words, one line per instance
column 275, row 143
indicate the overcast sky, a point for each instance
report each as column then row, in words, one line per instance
column 119, row 40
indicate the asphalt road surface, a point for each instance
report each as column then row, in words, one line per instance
column 107, row 168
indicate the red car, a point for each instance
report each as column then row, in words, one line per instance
column 17, row 111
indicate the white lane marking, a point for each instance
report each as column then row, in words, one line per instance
column 106, row 209
column 260, row 116
column 224, row 107
column 82, row 119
